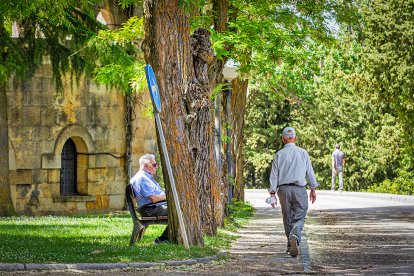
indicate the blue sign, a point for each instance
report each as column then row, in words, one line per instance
column 153, row 88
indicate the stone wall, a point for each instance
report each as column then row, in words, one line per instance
column 41, row 120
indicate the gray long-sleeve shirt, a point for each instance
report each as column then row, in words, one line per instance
column 292, row 165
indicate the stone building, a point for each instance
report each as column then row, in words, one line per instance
column 67, row 149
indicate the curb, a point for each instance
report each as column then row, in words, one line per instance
column 102, row 266
column 400, row 198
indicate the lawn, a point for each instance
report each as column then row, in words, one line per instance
column 100, row 239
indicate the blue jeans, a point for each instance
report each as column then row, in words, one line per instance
column 294, row 203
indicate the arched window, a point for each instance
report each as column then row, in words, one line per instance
column 68, row 171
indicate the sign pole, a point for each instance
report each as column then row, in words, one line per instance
column 172, row 181
column 156, row 102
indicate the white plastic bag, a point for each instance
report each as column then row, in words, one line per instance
column 271, row 200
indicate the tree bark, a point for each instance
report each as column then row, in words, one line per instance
column 238, row 108
column 6, row 203
column 199, row 108
column 167, row 48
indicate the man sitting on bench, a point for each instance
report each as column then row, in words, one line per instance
column 150, row 196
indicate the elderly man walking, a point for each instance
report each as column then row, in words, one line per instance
column 290, row 168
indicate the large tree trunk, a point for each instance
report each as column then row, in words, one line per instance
column 238, row 108
column 167, row 48
column 6, row 203
column 198, row 104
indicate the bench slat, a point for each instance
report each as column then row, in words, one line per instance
column 154, row 218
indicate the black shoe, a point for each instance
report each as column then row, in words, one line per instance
column 294, row 251
column 160, row 240
column 288, row 248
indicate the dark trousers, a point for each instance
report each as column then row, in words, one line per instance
column 155, row 211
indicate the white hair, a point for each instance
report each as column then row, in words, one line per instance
column 146, row 159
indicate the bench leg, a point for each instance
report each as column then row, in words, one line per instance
column 141, row 233
column 137, row 233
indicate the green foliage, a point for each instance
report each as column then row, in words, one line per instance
column 389, row 56
column 389, row 59
column 118, row 58
column 264, row 34
column 265, row 118
column 334, row 106
column 240, row 214
column 54, row 28
column 369, row 135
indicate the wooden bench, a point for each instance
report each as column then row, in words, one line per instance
column 140, row 223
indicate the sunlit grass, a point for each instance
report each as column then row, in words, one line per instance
column 94, row 239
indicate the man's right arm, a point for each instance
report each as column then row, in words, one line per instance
column 156, row 198
column 274, row 176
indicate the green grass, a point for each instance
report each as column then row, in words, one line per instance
column 95, row 239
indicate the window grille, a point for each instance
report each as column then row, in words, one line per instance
column 68, row 175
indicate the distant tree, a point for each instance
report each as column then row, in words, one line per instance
column 389, row 59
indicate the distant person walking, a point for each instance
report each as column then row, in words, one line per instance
column 290, row 168
column 338, row 163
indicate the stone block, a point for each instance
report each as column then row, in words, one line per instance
column 50, row 161
column 115, row 161
column 53, row 175
column 115, row 188
column 50, row 135
column 101, row 161
column 14, row 99
column 23, row 191
column 21, row 205
column 150, row 146
column 97, row 189
column 19, row 134
column 31, row 116
column 54, row 189
column 71, row 207
column 46, row 145
column 117, row 131
column 116, row 202
column 138, row 147
column 117, row 146
column 28, row 160
column 24, row 86
column 23, row 177
column 13, row 177
column 101, row 175
column 81, row 206
column 46, row 203
column 40, row 176
column 119, row 174
column 11, row 267
column 59, row 207
column 102, row 203
column 45, row 191
column 92, row 161
column 52, row 116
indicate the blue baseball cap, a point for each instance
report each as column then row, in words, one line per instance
column 289, row 132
